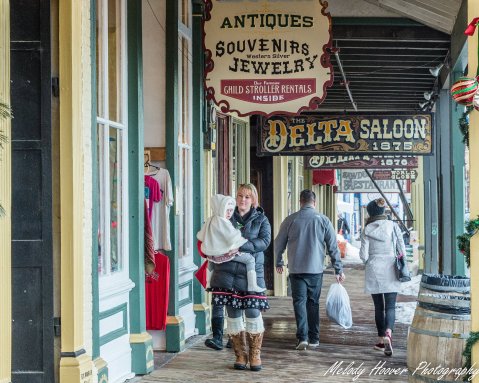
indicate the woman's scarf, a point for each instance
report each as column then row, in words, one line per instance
column 376, row 218
column 218, row 235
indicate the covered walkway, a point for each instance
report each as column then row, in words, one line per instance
column 282, row 363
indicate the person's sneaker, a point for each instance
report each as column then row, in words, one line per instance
column 302, row 345
column 314, row 344
column 379, row 346
column 388, row 345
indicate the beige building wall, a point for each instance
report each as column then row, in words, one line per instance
column 154, row 81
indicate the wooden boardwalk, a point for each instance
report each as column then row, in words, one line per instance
column 351, row 350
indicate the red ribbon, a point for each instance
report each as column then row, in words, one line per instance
column 471, row 28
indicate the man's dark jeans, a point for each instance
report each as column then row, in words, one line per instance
column 384, row 311
column 306, row 290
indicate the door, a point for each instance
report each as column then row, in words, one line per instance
column 32, row 273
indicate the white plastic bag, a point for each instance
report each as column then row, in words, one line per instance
column 338, row 307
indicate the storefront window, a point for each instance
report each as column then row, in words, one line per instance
column 184, row 196
column 111, row 134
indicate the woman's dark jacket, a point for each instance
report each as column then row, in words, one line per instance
column 256, row 229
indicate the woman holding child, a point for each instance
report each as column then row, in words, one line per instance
column 229, row 281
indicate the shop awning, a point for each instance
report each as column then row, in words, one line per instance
column 324, row 177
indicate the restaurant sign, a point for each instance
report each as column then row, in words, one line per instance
column 384, row 134
column 266, row 57
column 357, row 181
column 360, row 162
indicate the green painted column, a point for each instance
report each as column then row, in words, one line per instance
column 175, row 328
column 457, row 183
column 140, row 341
column 201, row 308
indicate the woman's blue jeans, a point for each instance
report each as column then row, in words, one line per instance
column 384, row 311
column 306, row 290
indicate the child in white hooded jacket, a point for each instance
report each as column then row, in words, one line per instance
column 219, row 238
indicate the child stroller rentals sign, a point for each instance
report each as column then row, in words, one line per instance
column 355, row 133
column 266, row 57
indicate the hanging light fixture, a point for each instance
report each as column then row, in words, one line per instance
column 428, row 95
column 435, row 71
column 423, row 105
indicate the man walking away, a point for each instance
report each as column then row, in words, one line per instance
column 343, row 226
column 306, row 233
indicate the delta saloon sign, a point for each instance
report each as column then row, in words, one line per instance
column 267, row 57
column 357, row 134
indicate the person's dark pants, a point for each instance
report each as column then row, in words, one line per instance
column 306, row 290
column 384, row 311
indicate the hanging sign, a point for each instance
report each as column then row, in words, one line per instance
column 380, row 175
column 357, row 181
column 405, row 174
column 266, row 57
column 360, row 162
column 354, row 133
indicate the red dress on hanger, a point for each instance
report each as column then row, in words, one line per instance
column 157, row 293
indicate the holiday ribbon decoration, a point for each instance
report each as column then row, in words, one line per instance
column 471, row 28
column 464, row 240
column 467, row 353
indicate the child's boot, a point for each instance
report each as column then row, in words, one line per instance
column 252, row 285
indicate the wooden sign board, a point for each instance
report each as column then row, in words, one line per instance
column 378, row 134
column 360, row 162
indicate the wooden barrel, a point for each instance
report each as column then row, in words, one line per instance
column 439, row 330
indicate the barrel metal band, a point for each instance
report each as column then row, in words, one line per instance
column 439, row 333
column 443, row 316
column 461, row 290
column 445, row 309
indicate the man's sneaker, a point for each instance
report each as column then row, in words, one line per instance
column 302, row 345
column 313, row 344
column 379, row 346
column 388, row 346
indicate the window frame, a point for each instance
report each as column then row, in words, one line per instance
column 103, row 125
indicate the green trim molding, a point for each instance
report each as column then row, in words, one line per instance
column 188, row 299
column 140, row 341
column 142, row 345
column 102, row 370
column 202, row 311
column 175, row 334
column 108, row 337
column 95, row 188
column 203, row 318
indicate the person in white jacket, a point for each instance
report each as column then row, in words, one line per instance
column 379, row 239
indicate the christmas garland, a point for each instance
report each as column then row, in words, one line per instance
column 467, row 354
column 464, row 240
column 464, row 125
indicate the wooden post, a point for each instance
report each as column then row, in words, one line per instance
column 5, row 201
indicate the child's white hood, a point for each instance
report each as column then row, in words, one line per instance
column 218, row 236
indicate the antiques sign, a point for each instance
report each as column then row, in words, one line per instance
column 357, row 181
column 351, row 134
column 360, row 162
column 267, row 56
